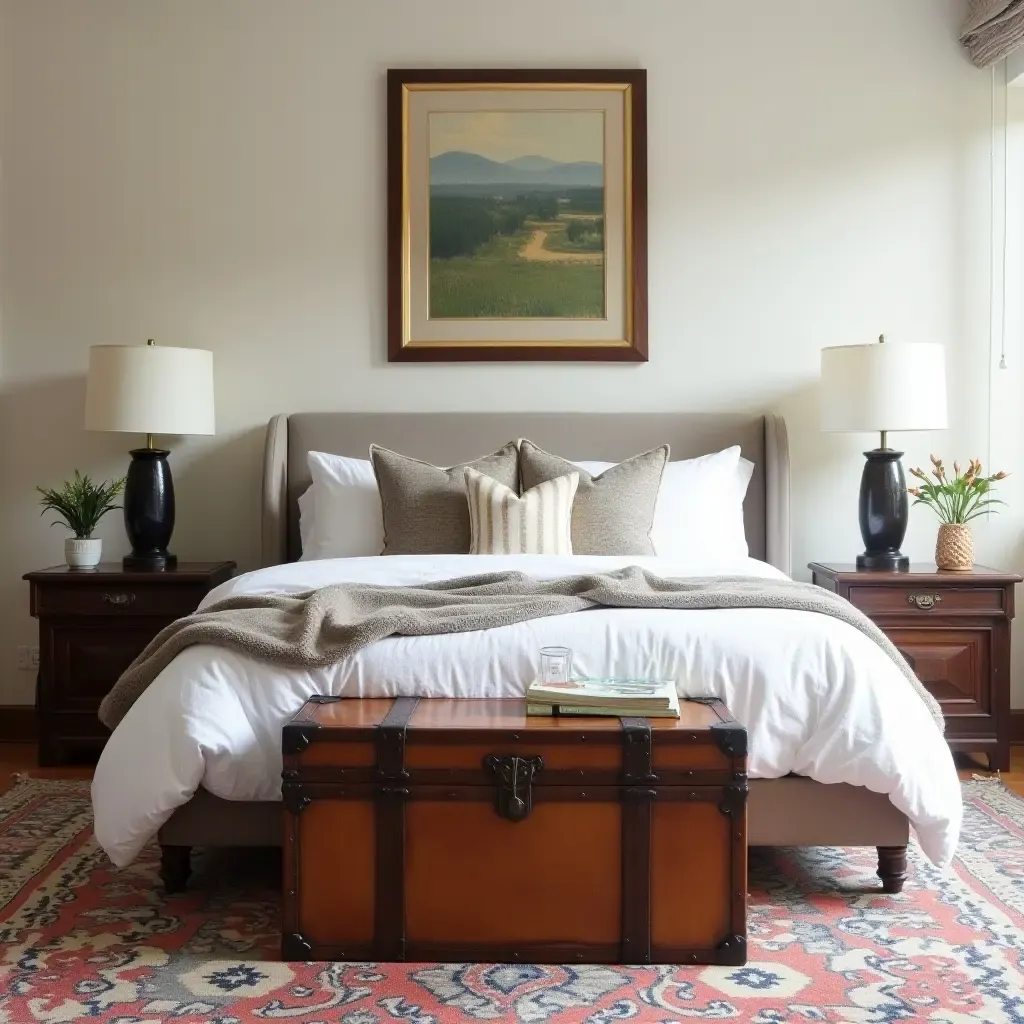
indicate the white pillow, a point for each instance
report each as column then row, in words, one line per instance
column 346, row 515
column 700, row 504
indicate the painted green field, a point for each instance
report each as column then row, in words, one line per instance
column 496, row 281
column 587, row 240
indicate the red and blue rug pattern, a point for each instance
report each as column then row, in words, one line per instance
column 82, row 942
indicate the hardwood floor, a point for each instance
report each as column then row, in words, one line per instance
column 1014, row 778
column 21, row 758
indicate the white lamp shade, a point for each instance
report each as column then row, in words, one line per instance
column 149, row 389
column 888, row 386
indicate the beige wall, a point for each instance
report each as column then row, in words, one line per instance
column 210, row 173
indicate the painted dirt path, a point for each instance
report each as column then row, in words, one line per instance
column 534, row 250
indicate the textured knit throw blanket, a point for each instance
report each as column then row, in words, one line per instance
column 321, row 627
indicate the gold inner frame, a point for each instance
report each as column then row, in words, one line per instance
column 627, row 135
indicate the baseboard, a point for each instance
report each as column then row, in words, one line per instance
column 17, row 723
column 1017, row 725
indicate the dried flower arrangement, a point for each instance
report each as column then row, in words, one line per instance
column 956, row 501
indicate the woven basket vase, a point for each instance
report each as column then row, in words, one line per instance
column 954, row 547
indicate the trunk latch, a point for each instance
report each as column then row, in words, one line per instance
column 515, row 777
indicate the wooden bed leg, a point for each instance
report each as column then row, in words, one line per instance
column 892, row 867
column 175, row 867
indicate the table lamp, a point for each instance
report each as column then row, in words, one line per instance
column 883, row 387
column 149, row 389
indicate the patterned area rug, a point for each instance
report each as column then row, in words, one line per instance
column 81, row 942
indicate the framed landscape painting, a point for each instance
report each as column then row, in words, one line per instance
column 517, row 215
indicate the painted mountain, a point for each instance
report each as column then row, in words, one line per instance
column 459, row 168
column 532, row 163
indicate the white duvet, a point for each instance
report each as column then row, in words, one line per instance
column 817, row 696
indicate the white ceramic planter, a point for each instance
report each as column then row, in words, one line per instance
column 83, row 554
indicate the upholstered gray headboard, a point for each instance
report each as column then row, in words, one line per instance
column 449, row 438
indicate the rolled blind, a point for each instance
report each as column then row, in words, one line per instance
column 993, row 30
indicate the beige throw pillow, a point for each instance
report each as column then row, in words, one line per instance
column 613, row 512
column 424, row 506
column 538, row 522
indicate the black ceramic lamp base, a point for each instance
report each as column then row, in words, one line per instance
column 884, row 511
column 149, row 511
column 149, row 563
column 894, row 561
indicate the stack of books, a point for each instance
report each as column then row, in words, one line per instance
column 621, row 698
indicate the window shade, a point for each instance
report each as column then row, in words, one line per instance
column 993, row 30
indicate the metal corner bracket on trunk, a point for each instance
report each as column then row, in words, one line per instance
column 731, row 738
column 295, row 947
column 732, row 952
column 297, row 736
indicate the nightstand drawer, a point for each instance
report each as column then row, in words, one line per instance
column 924, row 600
column 85, row 663
column 120, row 599
column 953, row 664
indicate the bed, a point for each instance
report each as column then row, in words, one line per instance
column 785, row 811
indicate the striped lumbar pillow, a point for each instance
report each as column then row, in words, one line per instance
column 504, row 523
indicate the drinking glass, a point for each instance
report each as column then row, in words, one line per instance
column 555, row 664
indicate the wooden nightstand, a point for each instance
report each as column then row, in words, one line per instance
column 954, row 630
column 92, row 625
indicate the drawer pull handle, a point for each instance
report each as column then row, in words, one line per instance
column 924, row 601
column 120, row 600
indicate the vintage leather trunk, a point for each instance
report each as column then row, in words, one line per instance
column 462, row 830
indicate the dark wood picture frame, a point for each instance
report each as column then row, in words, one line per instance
column 631, row 348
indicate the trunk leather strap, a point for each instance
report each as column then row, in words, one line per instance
column 389, row 895
column 637, row 795
column 391, row 739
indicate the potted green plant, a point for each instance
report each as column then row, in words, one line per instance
column 81, row 504
column 956, row 501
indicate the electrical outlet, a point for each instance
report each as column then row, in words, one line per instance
column 28, row 658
